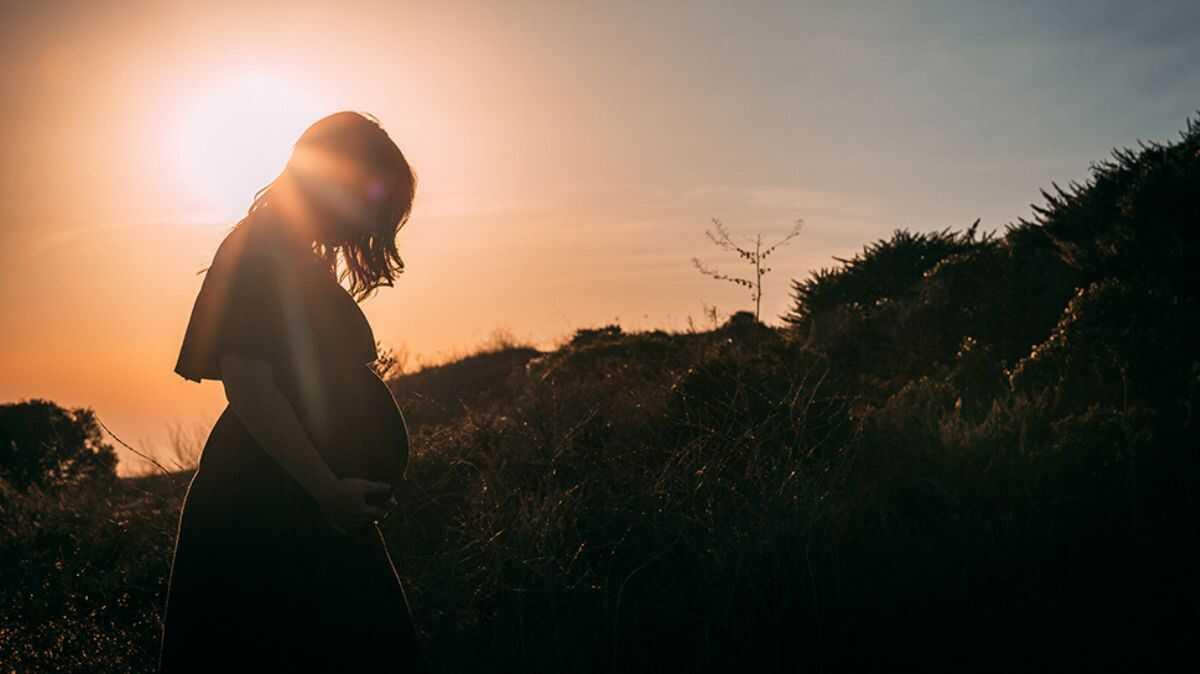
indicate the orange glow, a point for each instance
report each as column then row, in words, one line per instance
column 558, row 187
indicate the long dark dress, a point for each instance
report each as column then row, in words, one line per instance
column 259, row 582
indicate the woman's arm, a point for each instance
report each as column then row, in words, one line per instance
column 271, row 419
column 269, row 416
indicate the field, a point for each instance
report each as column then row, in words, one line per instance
column 959, row 451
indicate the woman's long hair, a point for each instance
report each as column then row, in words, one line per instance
column 353, row 146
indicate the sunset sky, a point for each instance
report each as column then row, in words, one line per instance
column 569, row 155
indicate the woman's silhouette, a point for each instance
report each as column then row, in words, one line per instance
column 279, row 562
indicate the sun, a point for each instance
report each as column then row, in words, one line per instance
column 234, row 136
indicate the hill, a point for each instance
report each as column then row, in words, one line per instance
column 960, row 452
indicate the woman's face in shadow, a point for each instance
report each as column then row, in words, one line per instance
column 344, row 198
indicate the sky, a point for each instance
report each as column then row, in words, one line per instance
column 569, row 156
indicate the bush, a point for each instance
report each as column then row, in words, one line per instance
column 1118, row 343
column 48, row 446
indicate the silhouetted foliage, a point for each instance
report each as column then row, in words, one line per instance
column 884, row 271
column 585, row 336
column 46, row 445
column 1137, row 215
column 756, row 257
column 439, row 394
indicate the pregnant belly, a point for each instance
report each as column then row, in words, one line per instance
column 370, row 439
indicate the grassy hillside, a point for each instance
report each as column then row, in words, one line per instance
column 962, row 451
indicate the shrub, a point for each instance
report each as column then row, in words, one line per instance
column 46, row 445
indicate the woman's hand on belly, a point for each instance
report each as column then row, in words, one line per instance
column 346, row 506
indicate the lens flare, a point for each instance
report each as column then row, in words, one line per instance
column 234, row 135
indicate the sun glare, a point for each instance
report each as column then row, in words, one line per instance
column 234, row 136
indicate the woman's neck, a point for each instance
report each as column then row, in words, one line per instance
column 291, row 238
column 286, row 232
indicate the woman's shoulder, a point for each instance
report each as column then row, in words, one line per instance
column 254, row 246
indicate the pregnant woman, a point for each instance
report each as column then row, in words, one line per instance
column 280, row 563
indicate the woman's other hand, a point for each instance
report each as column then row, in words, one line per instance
column 346, row 506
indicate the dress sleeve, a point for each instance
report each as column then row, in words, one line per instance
column 245, row 307
column 252, row 325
